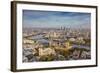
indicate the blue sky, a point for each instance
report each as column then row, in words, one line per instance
column 55, row 19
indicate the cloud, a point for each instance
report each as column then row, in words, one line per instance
column 34, row 18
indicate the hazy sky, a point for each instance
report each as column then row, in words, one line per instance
column 55, row 19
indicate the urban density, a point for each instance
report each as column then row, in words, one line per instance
column 56, row 44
